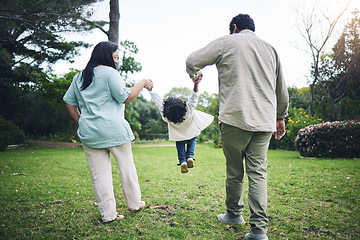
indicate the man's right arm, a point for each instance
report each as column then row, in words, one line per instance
column 208, row 55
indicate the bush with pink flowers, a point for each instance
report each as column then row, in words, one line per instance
column 340, row 139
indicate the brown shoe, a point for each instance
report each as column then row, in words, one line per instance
column 190, row 162
column 184, row 167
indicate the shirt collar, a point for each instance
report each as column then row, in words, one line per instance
column 247, row 31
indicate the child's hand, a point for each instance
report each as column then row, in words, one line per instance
column 198, row 77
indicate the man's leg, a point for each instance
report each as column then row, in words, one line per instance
column 256, row 164
column 234, row 142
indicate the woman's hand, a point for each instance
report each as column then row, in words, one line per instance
column 148, row 84
column 135, row 90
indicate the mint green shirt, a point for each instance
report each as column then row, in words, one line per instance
column 102, row 123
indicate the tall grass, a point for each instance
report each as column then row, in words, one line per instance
column 47, row 194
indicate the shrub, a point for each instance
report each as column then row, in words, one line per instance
column 211, row 135
column 9, row 133
column 330, row 139
column 298, row 118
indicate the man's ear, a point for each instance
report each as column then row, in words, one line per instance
column 235, row 29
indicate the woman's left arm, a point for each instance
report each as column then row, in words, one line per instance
column 73, row 111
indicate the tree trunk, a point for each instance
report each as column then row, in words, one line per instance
column 312, row 86
column 113, row 34
column 311, row 104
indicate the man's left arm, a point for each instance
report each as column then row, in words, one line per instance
column 282, row 95
column 282, row 98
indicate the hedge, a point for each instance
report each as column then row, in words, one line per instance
column 340, row 139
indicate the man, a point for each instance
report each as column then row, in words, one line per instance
column 253, row 102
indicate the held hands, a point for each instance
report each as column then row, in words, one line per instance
column 280, row 129
column 196, row 81
column 148, row 84
column 198, row 78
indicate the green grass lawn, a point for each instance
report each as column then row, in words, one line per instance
column 47, row 194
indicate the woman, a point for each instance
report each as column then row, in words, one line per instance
column 99, row 93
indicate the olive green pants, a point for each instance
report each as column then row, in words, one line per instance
column 251, row 146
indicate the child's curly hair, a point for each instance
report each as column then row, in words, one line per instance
column 174, row 109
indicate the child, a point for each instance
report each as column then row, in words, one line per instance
column 184, row 123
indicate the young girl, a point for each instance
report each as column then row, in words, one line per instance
column 184, row 123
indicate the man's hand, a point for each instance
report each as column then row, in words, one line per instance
column 280, row 129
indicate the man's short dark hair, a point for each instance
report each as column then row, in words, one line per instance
column 242, row 21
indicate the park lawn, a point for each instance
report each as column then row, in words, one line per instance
column 47, row 194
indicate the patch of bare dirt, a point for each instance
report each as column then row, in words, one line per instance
column 41, row 144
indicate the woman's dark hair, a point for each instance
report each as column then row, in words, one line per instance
column 174, row 109
column 242, row 21
column 101, row 55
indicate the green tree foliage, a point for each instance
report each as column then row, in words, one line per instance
column 30, row 41
column 209, row 103
column 338, row 91
column 9, row 133
column 181, row 92
column 152, row 124
column 30, row 32
column 128, row 64
column 45, row 113
column 299, row 97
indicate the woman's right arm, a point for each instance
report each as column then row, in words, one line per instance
column 135, row 90
column 73, row 111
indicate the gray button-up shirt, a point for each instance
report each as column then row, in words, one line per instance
column 252, row 90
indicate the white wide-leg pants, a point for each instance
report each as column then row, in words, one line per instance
column 101, row 174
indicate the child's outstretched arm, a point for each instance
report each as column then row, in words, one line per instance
column 197, row 80
column 193, row 99
column 156, row 98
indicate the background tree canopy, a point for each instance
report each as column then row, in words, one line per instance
column 338, row 91
column 30, row 42
column 31, row 97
